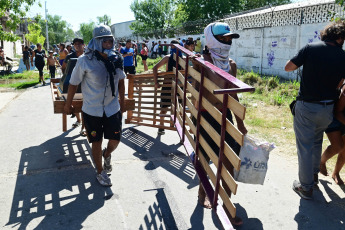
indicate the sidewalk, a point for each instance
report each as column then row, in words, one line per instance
column 47, row 181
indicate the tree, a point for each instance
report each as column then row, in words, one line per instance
column 212, row 10
column 34, row 34
column 253, row 4
column 86, row 31
column 152, row 14
column 105, row 19
column 12, row 12
column 58, row 30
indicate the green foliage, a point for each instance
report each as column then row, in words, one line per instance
column 270, row 89
column 105, row 19
column 58, row 30
column 86, row 31
column 34, row 34
column 21, row 80
column 205, row 9
column 253, row 4
column 152, row 14
column 12, row 12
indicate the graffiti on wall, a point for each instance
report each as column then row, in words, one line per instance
column 270, row 58
column 316, row 37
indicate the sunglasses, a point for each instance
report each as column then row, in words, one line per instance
column 108, row 40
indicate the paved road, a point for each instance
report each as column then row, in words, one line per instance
column 47, row 180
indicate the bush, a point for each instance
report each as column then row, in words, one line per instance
column 250, row 78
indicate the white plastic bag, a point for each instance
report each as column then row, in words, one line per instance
column 254, row 158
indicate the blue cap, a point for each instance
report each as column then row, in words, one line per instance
column 223, row 29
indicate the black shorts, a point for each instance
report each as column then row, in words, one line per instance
column 144, row 57
column 96, row 126
column 168, row 100
column 129, row 69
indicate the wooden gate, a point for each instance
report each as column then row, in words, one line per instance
column 192, row 89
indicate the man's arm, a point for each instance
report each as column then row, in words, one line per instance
column 47, row 63
column 72, row 89
column 57, row 62
column 121, row 88
column 32, row 58
column 290, row 66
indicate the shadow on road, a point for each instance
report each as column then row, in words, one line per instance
column 144, row 145
column 56, row 186
column 321, row 214
column 164, row 212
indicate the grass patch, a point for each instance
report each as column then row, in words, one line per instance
column 150, row 64
column 269, row 89
column 21, row 80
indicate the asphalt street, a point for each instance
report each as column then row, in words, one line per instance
column 47, row 180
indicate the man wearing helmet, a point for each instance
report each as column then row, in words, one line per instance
column 100, row 73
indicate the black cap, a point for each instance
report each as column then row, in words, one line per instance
column 78, row 40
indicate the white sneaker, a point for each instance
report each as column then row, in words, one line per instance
column 104, row 179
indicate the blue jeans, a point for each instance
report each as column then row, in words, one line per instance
column 310, row 121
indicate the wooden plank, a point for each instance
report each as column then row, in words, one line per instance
column 228, row 151
column 225, row 198
column 64, row 122
column 237, row 108
column 217, row 115
column 149, row 125
column 134, row 118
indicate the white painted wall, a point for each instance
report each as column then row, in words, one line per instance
column 122, row 29
column 266, row 50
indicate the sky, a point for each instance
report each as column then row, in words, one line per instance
column 76, row 12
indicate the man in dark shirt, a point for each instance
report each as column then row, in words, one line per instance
column 78, row 44
column 26, row 57
column 323, row 70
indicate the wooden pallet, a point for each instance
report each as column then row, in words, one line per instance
column 59, row 100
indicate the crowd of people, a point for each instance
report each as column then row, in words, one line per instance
column 102, row 67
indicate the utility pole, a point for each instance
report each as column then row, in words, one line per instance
column 46, row 25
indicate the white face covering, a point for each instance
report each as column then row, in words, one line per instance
column 219, row 51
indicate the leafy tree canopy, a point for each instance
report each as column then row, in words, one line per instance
column 86, row 31
column 59, row 30
column 34, row 34
column 105, row 19
column 12, row 11
column 152, row 14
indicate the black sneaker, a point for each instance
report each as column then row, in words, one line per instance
column 161, row 131
column 308, row 195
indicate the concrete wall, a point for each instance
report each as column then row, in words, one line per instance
column 266, row 50
column 122, row 30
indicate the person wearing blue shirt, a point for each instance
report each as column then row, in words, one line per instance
column 128, row 55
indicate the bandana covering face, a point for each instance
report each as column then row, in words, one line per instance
column 96, row 44
column 219, row 51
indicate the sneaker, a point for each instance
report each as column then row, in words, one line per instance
column 104, row 179
column 308, row 195
column 161, row 131
column 107, row 162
